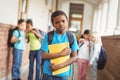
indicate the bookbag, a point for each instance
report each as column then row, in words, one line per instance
column 42, row 33
column 102, row 59
column 10, row 36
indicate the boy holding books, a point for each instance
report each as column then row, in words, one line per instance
column 60, row 23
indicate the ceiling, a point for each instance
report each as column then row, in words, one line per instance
column 94, row 2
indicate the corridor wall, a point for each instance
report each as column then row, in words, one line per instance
column 6, row 54
column 112, row 67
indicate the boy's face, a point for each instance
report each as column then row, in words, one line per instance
column 28, row 27
column 22, row 26
column 60, row 23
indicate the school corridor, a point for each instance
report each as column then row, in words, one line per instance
column 73, row 77
column 102, row 16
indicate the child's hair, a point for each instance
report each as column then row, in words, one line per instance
column 29, row 21
column 21, row 21
column 82, row 36
column 87, row 31
column 57, row 13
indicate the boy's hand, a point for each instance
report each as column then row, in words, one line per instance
column 33, row 31
column 19, row 39
column 65, row 51
column 81, row 40
column 54, row 67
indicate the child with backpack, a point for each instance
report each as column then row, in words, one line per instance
column 18, row 38
column 83, row 55
column 59, row 35
column 94, row 54
column 34, row 38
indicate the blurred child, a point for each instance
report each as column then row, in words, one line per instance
column 34, row 38
column 94, row 54
column 18, row 38
column 83, row 55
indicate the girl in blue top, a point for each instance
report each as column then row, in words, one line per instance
column 18, row 38
column 60, row 23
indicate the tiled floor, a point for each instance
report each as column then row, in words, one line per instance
column 74, row 77
column 24, row 75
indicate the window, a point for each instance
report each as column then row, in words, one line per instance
column 76, row 17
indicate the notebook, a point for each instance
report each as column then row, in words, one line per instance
column 54, row 48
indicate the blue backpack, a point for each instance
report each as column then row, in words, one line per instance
column 102, row 59
column 42, row 33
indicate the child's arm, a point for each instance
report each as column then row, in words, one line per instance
column 64, row 52
column 68, row 62
column 37, row 33
column 72, row 59
column 14, row 37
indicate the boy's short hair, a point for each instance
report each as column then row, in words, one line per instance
column 57, row 13
column 21, row 21
column 29, row 21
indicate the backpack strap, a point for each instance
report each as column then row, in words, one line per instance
column 16, row 28
column 19, row 33
column 81, row 44
column 70, row 38
column 50, row 37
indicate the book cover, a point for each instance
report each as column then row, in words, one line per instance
column 54, row 48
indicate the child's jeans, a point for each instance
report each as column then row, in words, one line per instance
column 17, row 60
column 36, row 54
column 82, row 68
column 49, row 77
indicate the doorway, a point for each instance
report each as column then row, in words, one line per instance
column 76, row 18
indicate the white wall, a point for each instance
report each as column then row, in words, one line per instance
column 38, row 12
column 88, row 11
column 103, row 21
column 100, row 18
column 9, row 11
column 117, row 29
column 112, row 17
column 119, row 15
column 88, row 16
column 107, row 16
